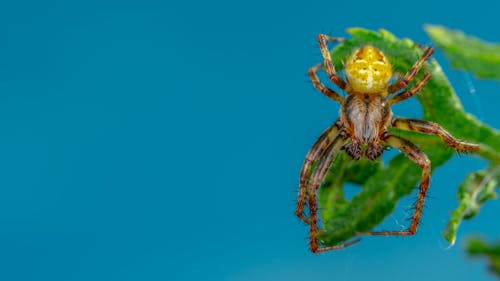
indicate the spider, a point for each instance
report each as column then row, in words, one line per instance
column 362, row 128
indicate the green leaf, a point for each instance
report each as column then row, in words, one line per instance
column 477, row 247
column 472, row 193
column 382, row 187
column 466, row 52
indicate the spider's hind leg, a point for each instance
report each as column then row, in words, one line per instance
column 321, row 87
column 410, row 92
column 408, row 77
column 330, row 68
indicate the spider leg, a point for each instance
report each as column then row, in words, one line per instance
column 410, row 92
column 417, row 156
column 330, row 68
column 430, row 128
column 322, row 88
column 317, row 178
column 403, row 81
column 312, row 156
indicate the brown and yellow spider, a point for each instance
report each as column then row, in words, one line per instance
column 362, row 129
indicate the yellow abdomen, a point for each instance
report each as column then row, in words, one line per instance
column 368, row 70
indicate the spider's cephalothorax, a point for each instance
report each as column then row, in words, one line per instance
column 362, row 128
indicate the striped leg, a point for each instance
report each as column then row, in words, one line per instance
column 410, row 92
column 312, row 156
column 417, row 156
column 403, row 81
column 434, row 129
column 317, row 179
column 322, row 88
column 330, row 68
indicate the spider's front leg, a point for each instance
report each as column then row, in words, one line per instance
column 417, row 156
column 408, row 77
column 317, row 150
column 317, row 179
column 330, row 67
column 430, row 128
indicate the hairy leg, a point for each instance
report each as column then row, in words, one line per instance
column 317, row 179
column 430, row 128
column 322, row 88
column 410, row 92
column 403, row 81
column 417, row 156
column 330, row 68
column 317, row 150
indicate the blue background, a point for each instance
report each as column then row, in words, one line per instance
column 157, row 140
